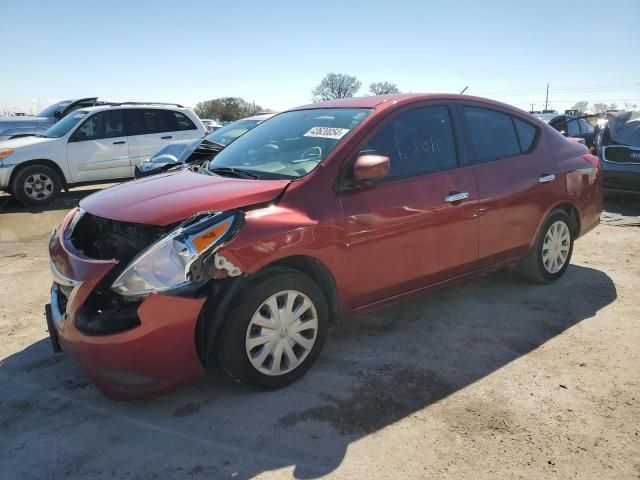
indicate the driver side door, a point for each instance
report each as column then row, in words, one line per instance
column 98, row 148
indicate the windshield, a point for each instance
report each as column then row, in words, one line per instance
column 51, row 109
column 292, row 144
column 61, row 128
column 228, row 133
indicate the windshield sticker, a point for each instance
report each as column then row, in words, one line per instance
column 327, row 132
column 79, row 115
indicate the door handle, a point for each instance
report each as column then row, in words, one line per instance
column 119, row 143
column 456, row 197
column 546, row 178
column 167, row 137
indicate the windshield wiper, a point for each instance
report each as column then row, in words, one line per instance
column 233, row 172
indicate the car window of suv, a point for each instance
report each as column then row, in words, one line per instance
column 417, row 141
column 493, row 133
column 585, row 127
column 183, row 122
column 142, row 121
column 108, row 124
column 571, row 127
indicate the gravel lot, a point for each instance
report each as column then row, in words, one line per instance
column 493, row 378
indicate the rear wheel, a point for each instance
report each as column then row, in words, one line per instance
column 550, row 256
column 275, row 330
column 36, row 185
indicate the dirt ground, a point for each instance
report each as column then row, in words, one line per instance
column 493, row 378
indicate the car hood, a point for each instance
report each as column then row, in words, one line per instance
column 180, row 150
column 172, row 197
column 23, row 119
column 26, row 142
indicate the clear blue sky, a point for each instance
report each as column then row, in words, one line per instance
column 275, row 52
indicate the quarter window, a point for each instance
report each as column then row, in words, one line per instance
column 493, row 133
column 572, row 128
column 106, row 124
column 526, row 134
column 183, row 122
column 417, row 141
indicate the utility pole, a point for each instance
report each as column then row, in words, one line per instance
column 546, row 100
column 532, row 106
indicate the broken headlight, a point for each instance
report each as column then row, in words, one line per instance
column 169, row 263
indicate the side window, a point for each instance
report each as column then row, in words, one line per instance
column 585, row 127
column 183, row 122
column 571, row 127
column 101, row 125
column 416, row 141
column 526, row 134
column 492, row 133
column 142, row 122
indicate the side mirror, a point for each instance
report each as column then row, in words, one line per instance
column 371, row 167
column 57, row 115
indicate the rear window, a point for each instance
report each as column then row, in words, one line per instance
column 493, row 133
column 142, row 121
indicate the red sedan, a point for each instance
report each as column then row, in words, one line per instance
column 321, row 211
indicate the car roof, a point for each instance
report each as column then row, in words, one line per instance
column 385, row 101
column 131, row 105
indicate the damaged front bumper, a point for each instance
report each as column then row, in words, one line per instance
column 150, row 351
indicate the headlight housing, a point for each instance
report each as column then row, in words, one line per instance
column 174, row 262
column 5, row 152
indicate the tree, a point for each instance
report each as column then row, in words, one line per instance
column 383, row 88
column 612, row 106
column 581, row 106
column 628, row 106
column 227, row 109
column 336, row 85
column 599, row 107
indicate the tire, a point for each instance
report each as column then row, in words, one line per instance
column 556, row 236
column 36, row 185
column 232, row 346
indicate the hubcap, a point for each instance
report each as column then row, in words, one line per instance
column 38, row 186
column 555, row 248
column 281, row 333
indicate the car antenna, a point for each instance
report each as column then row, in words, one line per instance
column 464, row 89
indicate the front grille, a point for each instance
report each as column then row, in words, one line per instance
column 105, row 239
column 620, row 154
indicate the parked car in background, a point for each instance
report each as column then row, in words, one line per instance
column 91, row 145
column 190, row 152
column 321, row 211
column 570, row 126
column 618, row 146
column 25, row 126
column 211, row 125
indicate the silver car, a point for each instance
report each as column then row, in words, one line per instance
column 27, row 126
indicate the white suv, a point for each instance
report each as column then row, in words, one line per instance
column 91, row 145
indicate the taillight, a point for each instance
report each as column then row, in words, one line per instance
column 592, row 159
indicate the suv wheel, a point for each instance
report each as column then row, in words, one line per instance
column 550, row 256
column 36, row 185
column 275, row 330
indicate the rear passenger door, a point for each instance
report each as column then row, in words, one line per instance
column 516, row 178
column 148, row 130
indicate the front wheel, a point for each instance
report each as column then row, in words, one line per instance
column 550, row 256
column 275, row 330
column 36, row 185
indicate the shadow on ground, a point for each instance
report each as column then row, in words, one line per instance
column 66, row 201
column 377, row 369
